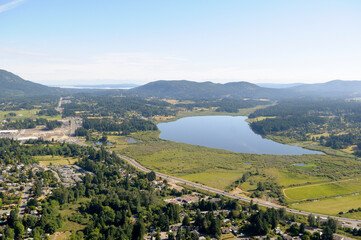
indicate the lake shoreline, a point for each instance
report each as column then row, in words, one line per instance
column 225, row 132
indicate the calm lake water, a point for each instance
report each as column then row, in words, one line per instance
column 224, row 132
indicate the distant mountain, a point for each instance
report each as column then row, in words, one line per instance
column 195, row 90
column 335, row 89
column 12, row 85
column 102, row 86
column 279, row 85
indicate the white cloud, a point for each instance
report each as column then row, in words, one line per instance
column 10, row 5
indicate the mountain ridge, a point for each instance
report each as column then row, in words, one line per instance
column 12, row 85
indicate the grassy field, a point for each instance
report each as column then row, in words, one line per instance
column 22, row 114
column 287, row 178
column 55, row 160
column 330, row 206
column 355, row 215
column 220, row 179
column 323, row 190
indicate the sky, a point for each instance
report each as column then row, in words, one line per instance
column 65, row 42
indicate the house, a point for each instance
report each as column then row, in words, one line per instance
column 286, row 237
column 225, row 230
column 235, row 229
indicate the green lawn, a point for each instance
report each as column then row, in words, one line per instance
column 217, row 179
column 330, row 206
column 55, row 160
column 22, row 114
column 323, row 190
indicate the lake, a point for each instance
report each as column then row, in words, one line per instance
column 224, row 132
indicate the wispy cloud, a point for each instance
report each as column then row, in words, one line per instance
column 10, row 5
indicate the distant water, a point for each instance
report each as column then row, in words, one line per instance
column 224, row 132
column 300, row 165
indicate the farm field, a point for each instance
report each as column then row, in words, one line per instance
column 55, row 160
column 330, row 206
column 323, row 190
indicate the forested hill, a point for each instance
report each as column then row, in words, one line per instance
column 194, row 90
column 12, row 85
column 183, row 89
column 335, row 89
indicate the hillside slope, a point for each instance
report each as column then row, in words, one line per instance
column 335, row 89
column 182, row 89
column 12, row 85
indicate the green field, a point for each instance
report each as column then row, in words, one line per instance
column 330, row 206
column 55, row 160
column 323, row 190
column 219, row 179
column 22, row 114
column 287, row 178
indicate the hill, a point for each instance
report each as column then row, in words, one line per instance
column 335, row 89
column 183, row 89
column 12, row 85
column 279, row 85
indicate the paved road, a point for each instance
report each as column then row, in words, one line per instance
column 24, row 200
column 58, row 108
column 353, row 223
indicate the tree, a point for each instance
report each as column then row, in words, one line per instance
column 327, row 234
column 302, row 228
column 18, row 228
column 13, row 217
column 171, row 236
column 138, row 230
column 9, row 233
column 260, row 186
column 332, row 224
column 151, row 176
column 312, row 220
column 186, row 221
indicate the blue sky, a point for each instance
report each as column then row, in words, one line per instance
column 95, row 42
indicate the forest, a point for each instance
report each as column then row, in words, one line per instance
column 28, row 123
column 331, row 123
column 127, row 126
